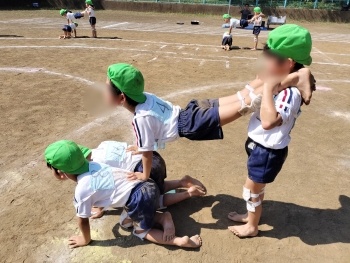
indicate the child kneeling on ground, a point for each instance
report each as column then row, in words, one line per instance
column 68, row 29
column 226, row 41
column 104, row 186
column 287, row 50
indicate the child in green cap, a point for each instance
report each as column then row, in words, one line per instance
column 120, row 155
column 90, row 10
column 70, row 16
column 101, row 185
column 287, row 50
column 256, row 20
column 156, row 121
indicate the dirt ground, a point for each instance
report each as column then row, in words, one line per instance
column 48, row 92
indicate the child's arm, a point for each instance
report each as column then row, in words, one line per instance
column 85, row 238
column 147, row 166
column 269, row 116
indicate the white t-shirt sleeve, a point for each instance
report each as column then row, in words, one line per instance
column 288, row 103
column 83, row 209
column 143, row 128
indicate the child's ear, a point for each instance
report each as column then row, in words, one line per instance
column 291, row 64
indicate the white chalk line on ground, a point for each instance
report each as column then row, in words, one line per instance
column 326, row 57
column 154, row 51
column 115, row 25
column 162, row 43
column 42, row 70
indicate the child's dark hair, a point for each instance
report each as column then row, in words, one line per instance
column 52, row 168
column 246, row 4
column 268, row 52
column 118, row 92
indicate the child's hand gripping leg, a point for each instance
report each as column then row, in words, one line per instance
column 303, row 80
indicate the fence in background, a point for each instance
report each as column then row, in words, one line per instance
column 308, row 4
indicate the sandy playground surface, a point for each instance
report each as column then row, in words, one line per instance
column 48, row 93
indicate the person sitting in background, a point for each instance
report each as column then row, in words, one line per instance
column 245, row 12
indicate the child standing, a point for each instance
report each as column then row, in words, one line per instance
column 287, row 50
column 256, row 20
column 90, row 10
column 156, row 121
column 226, row 41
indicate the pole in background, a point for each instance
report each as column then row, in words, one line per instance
column 229, row 7
column 285, row 3
column 315, row 4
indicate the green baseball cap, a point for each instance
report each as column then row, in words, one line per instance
column 89, row 2
column 63, row 11
column 226, row 16
column 85, row 150
column 128, row 79
column 257, row 9
column 67, row 157
column 291, row 41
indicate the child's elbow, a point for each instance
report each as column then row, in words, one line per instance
column 267, row 125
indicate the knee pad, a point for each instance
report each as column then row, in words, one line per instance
column 247, row 196
column 255, row 39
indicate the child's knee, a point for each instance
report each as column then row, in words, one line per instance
column 139, row 232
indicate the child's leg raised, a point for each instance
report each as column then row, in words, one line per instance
column 251, row 194
column 157, row 236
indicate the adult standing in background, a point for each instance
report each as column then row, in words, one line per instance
column 245, row 12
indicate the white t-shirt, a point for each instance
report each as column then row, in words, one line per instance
column 90, row 11
column 226, row 34
column 70, row 16
column 257, row 21
column 114, row 154
column 288, row 103
column 102, row 186
column 155, row 123
column 234, row 22
column 72, row 26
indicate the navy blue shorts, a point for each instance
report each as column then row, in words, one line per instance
column 227, row 41
column 92, row 21
column 78, row 15
column 256, row 30
column 200, row 121
column 143, row 204
column 158, row 170
column 264, row 164
column 67, row 28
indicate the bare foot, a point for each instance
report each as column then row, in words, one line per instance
column 191, row 242
column 234, row 216
column 188, row 181
column 244, row 230
column 168, row 227
column 196, row 190
column 253, row 49
column 97, row 212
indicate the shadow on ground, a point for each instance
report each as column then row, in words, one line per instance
column 313, row 226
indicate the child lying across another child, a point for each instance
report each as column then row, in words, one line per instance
column 120, row 155
column 102, row 185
